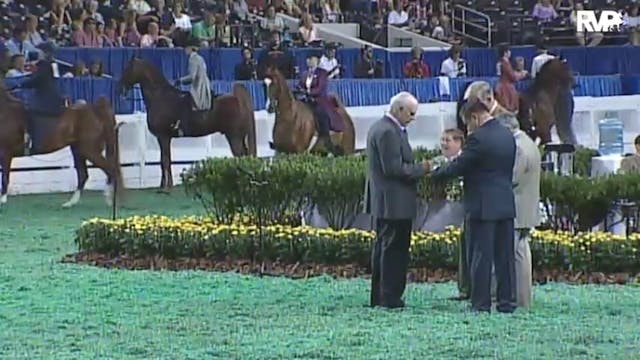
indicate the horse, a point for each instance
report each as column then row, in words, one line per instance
column 294, row 131
column 230, row 114
column 548, row 102
column 88, row 129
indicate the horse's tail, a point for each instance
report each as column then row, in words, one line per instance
column 349, row 134
column 246, row 105
column 104, row 112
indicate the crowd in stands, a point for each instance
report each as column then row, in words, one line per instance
column 24, row 24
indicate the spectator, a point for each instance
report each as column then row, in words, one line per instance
column 435, row 30
column 632, row 19
column 416, row 68
column 17, row 66
column 331, row 11
column 329, row 63
column 205, row 30
column 19, row 44
column 58, row 17
column 308, row 30
column 95, row 70
column 398, row 17
column 506, row 93
column 454, row 66
column 109, row 33
column 240, row 9
column 447, row 31
column 271, row 22
column 544, row 11
column 181, row 18
column 88, row 36
column 129, row 29
column 107, row 11
column 31, row 25
column 595, row 38
column 276, row 55
column 223, row 30
column 78, row 16
column 153, row 38
column 141, row 7
column 246, row 70
column 78, row 70
column 93, row 12
column 164, row 18
column 366, row 67
column 631, row 163
column 520, row 65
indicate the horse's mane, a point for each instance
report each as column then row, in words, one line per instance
column 554, row 72
column 158, row 80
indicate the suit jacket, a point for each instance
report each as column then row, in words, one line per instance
column 486, row 165
column 526, row 181
column 392, row 177
column 47, row 99
column 630, row 164
column 199, row 80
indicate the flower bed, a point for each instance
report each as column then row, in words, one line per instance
column 199, row 238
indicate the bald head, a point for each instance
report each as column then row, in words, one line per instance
column 403, row 106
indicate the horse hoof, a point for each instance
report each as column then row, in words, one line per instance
column 271, row 146
column 165, row 191
column 3, row 199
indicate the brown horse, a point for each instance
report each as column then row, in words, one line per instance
column 548, row 102
column 87, row 129
column 230, row 114
column 294, row 131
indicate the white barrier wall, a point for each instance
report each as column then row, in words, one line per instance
column 139, row 151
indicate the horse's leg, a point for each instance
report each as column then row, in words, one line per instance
column 102, row 163
column 165, row 164
column 237, row 145
column 80, row 163
column 5, row 164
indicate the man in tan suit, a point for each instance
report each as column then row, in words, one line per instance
column 526, row 182
column 631, row 164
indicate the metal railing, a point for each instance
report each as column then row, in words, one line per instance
column 472, row 24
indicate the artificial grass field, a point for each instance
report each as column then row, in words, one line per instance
column 50, row 310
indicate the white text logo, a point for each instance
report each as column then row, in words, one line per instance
column 610, row 21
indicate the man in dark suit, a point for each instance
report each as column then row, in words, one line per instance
column 390, row 197
column 486, row 163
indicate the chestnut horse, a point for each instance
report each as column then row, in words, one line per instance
column 230, row 114
column 294, row 131
column 87, row 129
column 548, row 102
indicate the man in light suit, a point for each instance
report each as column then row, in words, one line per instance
column 199, row 96
column 526, row 190
column 486, row 164
column 390, row 197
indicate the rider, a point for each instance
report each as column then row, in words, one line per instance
column 46, row 101
column 199, row 96
column 313, row 84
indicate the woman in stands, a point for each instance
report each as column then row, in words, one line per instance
column 506, row 93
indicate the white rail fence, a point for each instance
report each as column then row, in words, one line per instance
column 140, row 155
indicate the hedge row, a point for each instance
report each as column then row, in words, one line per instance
column 335, row 185
column 193, row 237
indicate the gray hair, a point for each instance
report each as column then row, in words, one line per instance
column 509, row 121
column 400, row 100
column 480, row 90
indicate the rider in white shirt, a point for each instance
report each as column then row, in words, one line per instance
column 540, row 59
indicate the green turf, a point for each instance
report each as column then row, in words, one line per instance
column 57, row 311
